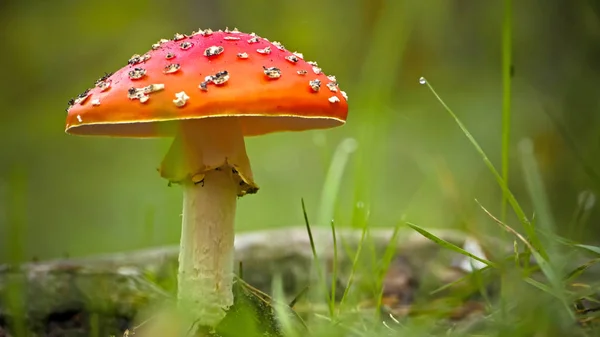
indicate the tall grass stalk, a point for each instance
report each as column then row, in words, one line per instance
column 506, row 95
column 527, row 224
column 507, row 68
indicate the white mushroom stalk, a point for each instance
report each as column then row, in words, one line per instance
column 208, row 158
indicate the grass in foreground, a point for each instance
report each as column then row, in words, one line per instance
column 534, row 283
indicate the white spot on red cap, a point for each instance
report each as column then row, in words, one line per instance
column 178, row 37
column 142, row 93
column 302, row 72
column 253, row 40
column 242, row 55
column 159, row 43
column 203, row 32
column 181, row 98
column 79, row 119
column 272, row 72
column 292, row 58
column 104, row 83
column 278, row 45
column 137, row 73
column 264, row 51
column 185, row 45
column 220, row 77
column 81, row 98
column 171, row 68
column 213, row 51
column 136, row 58
column 315, row 85
column 344, row 95
column 231, row 38
column 332, row 87
column 95, row 102
column 334, row 99
column 169, row 56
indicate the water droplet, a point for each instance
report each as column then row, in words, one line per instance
column 422, row 80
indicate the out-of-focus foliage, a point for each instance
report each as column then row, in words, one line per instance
column 63, row 194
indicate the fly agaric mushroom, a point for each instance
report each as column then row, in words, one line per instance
column 208, row 90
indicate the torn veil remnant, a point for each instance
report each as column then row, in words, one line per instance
column 224, row 86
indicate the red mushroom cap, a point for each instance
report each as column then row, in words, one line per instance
column 210, row 74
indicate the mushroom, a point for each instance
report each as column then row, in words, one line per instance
column 200, row 91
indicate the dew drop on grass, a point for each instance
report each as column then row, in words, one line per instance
column 422, row 80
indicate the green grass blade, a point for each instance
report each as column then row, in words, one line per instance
column 386, row 260
column 536, row 187
column 355, row 264
column 593, row 249
column 575, row 273
column 333, row 180
column 316, row 262
column 570, row 243
column 448, row 245
column 529, row 228
column 281, row 309
column 551, row 266
column 546, row 267
column 334, row 272
column 506, row 95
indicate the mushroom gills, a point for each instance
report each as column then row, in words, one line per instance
column 207, row 144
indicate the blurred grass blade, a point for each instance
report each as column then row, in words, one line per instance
column 536, row 187
column 593, row 249
column 529, row 228
column 586, row 200
column 298, row 297
column 547, row 268
column 322, row 289
column 363, row 237
column 541, row 286
column 282, row 311
column 579, row 270
column 334, row 178
column 506, row 95
column 552, row 265
column 573, row 244
column 386, row 260
column 448, row 245
column 334, row 272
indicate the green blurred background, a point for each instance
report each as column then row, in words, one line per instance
column 65, row 195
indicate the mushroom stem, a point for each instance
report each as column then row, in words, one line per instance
column 208, row 158
column 206, row 250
